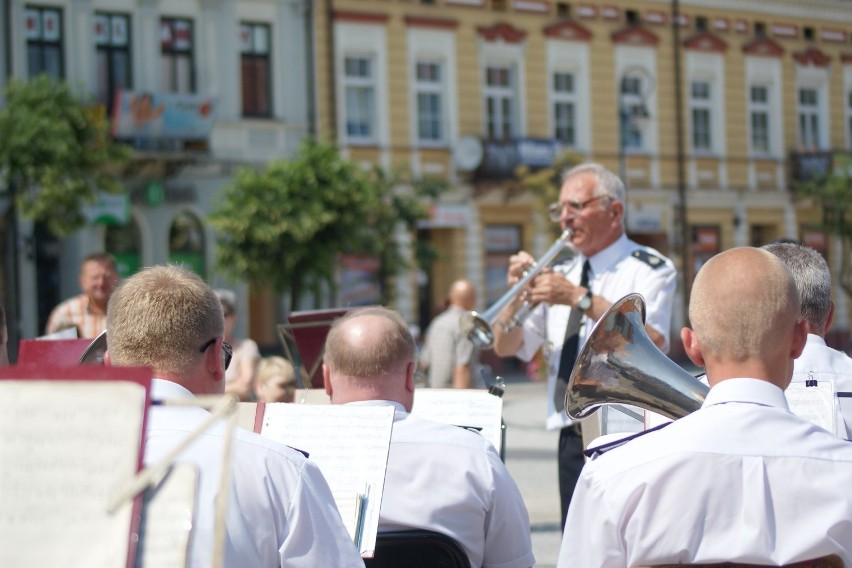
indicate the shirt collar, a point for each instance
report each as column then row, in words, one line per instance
column 746, row 390
column 398, row 407
column 605, row 259
column 162, row 389
column 814, row 339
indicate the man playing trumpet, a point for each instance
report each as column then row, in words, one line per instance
column 570, row 298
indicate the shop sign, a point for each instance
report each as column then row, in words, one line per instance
column 501, row 159
column 109, row 209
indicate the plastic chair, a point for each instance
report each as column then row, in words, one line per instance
column 417, row 549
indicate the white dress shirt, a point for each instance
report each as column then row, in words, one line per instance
column 821, row 362
column 742, row 479
column 281, row 511
column 450, row 480
column 616, row 272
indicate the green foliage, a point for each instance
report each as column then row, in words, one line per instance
column 834, row 195
column 285, row 226
column 55, row 150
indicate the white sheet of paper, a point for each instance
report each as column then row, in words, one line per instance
column 350, row 444
column 816, row 404
column 167, row 519
column 462, row 407
column 66, row 447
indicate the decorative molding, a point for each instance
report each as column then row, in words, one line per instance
column 705, row 41
column 502, row 31
column 534, row 6
column 568, row 30
column 846, row 58
column 741, row 26
column 360, row 17
column 610, row 12
column 587, row 11
column 426, row 22
column 656, row 17
column 721, row 24
column 812, row 56
column 790, row 31
column 763, row 47
column 833, row 35
column 635, row 35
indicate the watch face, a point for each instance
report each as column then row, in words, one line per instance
column 585, row 302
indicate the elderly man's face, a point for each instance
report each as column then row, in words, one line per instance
column 595, row 219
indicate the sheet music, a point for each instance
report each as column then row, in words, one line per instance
column 168, row 515
column 462, row 407
column 350, row 445
column 815, row 403
column 65, row 449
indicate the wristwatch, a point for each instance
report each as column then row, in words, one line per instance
column 585, row 302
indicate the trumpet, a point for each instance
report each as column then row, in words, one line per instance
column 478, row 327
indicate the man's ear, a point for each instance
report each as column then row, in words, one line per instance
column 800, row 338
column 691, row 347
column 326, row 379
column 409, row 377
column 213, row 360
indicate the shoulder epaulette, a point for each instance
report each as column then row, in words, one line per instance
column 649, row 258
column 593, row 453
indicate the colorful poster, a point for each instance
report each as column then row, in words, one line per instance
column 162, row 115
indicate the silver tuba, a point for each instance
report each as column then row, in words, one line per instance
column 620, row 364
column 477, row 326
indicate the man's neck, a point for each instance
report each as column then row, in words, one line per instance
column 96, row 307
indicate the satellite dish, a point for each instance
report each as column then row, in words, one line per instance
column 468, row 153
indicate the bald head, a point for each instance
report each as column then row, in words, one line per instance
column 744, row 307
column 462, row 294
column 369, row 355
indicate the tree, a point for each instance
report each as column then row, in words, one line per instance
column 56, row 152
column 283, row 227
column 834, row 195
column 545, row 183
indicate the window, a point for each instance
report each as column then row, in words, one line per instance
column 564, row 108
column 112, row 39
column 809, row 118
column 632, row 109
column 499, row 102
column 177, row 73
column 759, row 118
column 360, row 92
column 699, row 102
column 44, row 42
column 849, row 119
column 256, row 69
column 428, row 84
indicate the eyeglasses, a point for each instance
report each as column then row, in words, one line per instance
column 554, row 210
column 226, row 349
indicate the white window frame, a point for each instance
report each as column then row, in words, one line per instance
column 702, row 104
column 500, row 101
column 509, row 57
column 765, row 72
column 564, row 107
column 570, row 57
column 641, row 62
column 813, row 112
column 760, row 108
column 631, row 99
column 426, row 45
column 364, row 41
column 359, row 94
column 432, row 88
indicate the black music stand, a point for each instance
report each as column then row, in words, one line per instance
column 303, row 339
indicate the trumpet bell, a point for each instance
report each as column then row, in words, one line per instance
column 477, row 329
column 620, row 364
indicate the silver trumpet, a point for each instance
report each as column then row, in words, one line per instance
column 478, row 327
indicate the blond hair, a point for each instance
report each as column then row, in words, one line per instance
column 160, row 317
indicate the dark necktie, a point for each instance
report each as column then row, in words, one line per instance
column 569, row 347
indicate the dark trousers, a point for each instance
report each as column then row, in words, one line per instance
column 571, row 461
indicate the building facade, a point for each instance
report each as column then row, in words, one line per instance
column 710, row 122
column 198, row 88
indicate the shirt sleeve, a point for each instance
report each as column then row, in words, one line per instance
column 658, row 288
column 507, row 537
column 316, row 535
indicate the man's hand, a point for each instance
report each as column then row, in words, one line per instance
column 553, row 288
column 518, row 264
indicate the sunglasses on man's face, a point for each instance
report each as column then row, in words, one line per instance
column 227, row 350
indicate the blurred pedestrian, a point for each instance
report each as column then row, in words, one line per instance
column 239, row 378
column 87, row 312
column 449, row 357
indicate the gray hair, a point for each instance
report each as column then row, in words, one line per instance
column 160, row 317
column 608, row 184
column 812, row 277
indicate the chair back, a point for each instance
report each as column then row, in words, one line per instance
column 417, row 549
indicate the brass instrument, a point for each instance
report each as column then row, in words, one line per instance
column 478, row 327
column 620, row 364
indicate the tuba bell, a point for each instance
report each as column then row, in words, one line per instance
column 620, row 364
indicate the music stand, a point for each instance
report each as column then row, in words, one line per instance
column 306, row 331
